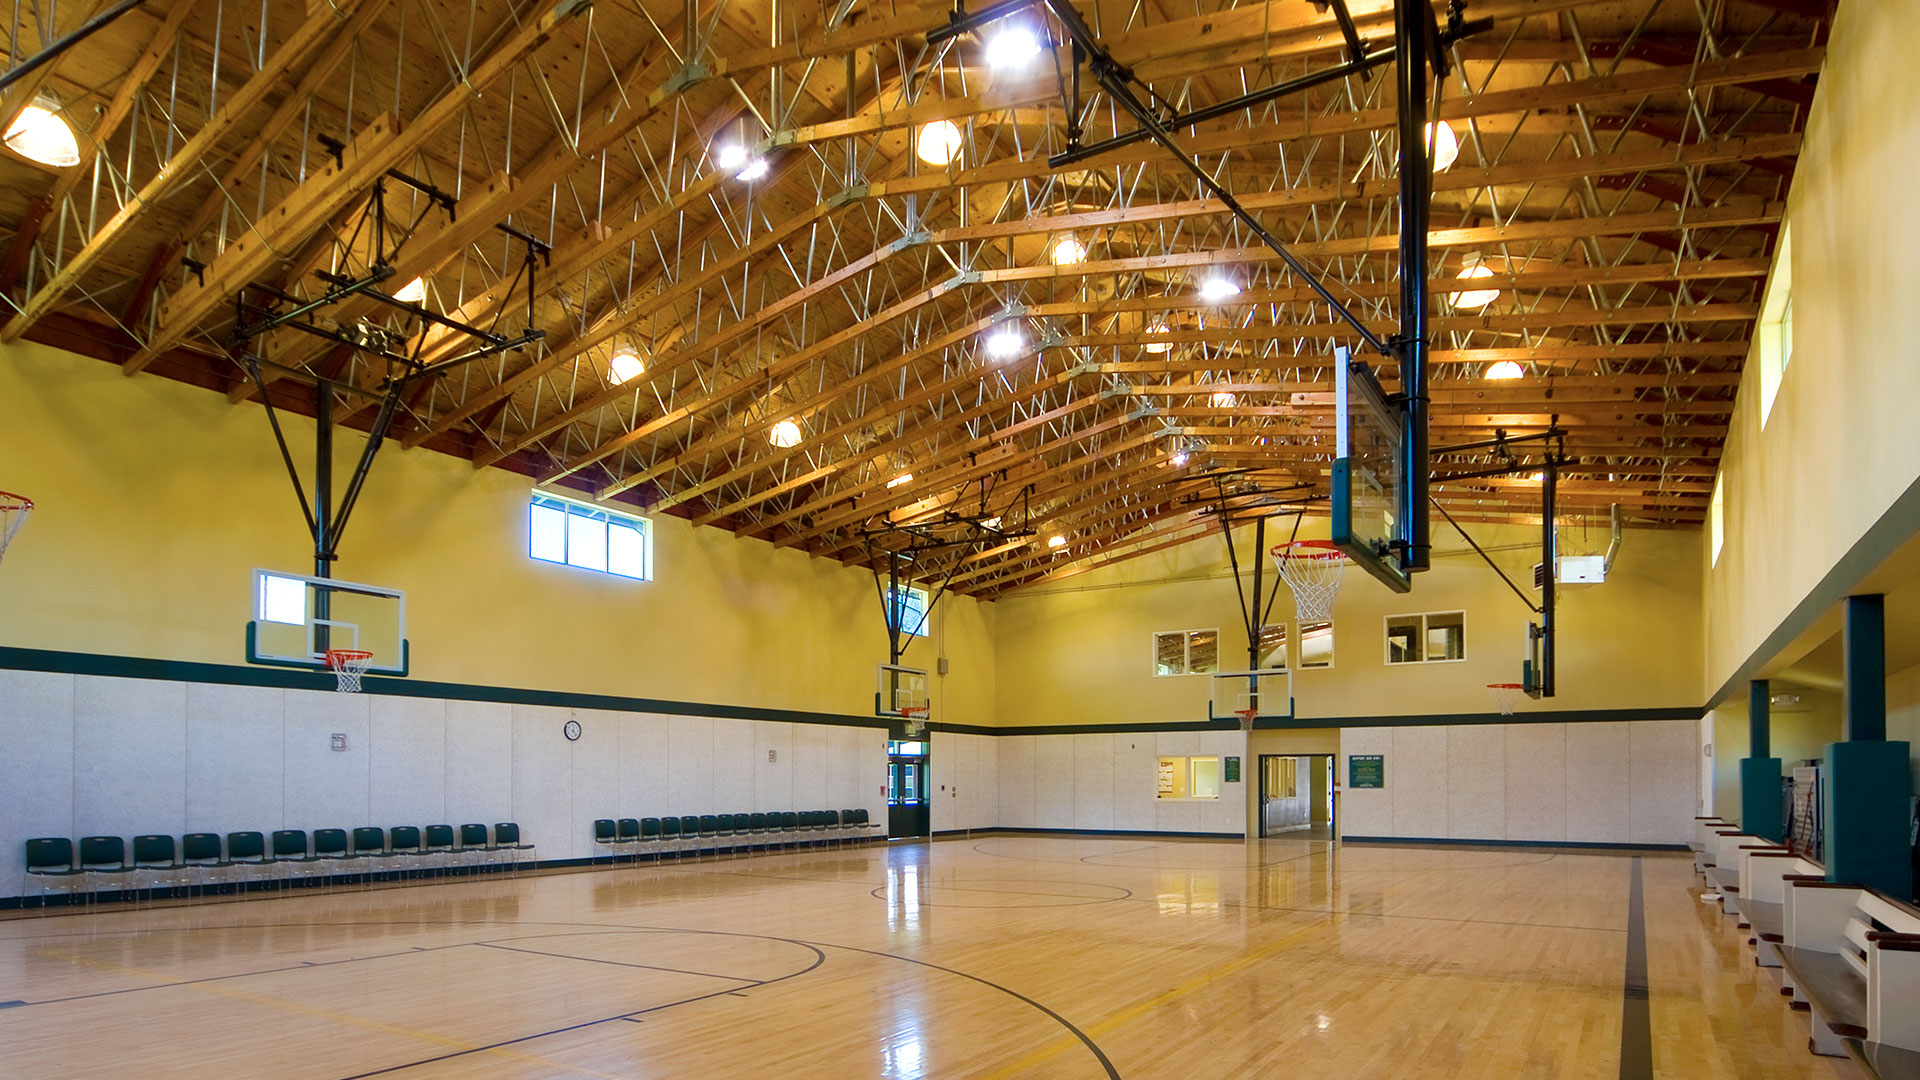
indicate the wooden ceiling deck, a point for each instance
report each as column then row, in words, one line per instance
column 1622, row 170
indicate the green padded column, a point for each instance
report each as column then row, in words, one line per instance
column 1760, row 798
column 1868, row 785
column 1760, row 810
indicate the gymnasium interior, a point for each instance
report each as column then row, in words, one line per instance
column 547, row 538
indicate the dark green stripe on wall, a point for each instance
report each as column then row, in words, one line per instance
column 134, row 667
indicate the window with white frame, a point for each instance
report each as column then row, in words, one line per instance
column 1186, row 652
column 1431, row 638
column 1188, row 778
column 1273, row 647
column 910, row 605
column 1717, row 516
column 1775, row 332
column 589, row 537
column 1316, row 644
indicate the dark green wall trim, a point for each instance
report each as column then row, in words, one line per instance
column 1564, row 716
column 1875, row 546
column 1428, row 841
column 1012, row 831
column 1568, row 716
column 133, row 667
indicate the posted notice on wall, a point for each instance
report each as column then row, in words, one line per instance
column 1367, row 771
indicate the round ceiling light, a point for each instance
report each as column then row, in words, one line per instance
column 1012, row 46
column 1067, row 250
column 1505, row 369
column 39, row 134
column 626, row 365
column 729, row 157
column 938, row 142
column 1158, row 346
column 1005, row 343
column 1446, row 148
column 753, row 170
column 1474, row 299
column 1223, row 400
column 413, row 292
column 784, row 434
column 1215, row 290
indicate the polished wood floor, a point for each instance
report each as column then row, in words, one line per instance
column 994, row 957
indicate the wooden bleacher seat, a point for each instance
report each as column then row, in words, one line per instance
column 1851, row 955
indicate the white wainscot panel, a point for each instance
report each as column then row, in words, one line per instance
column 644, row 757
column 235, row 769
column 1136, row 781
column 596, row 779
column 1417, row 776
column 1597, row 777
column 408, row 749
column 1365, row 811
column 732, row 765
column 1661, row 755
column 479, row 781
column 773, row 777
column 690, row 766
column 1536, row 782
column 129, row 756
column 1053, row 781
column 326, row 788
column 36, row 765
column 543, row 781
column 1092, row 781
column 1477, row 782
column 1017, row 796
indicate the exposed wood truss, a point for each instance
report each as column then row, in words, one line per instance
column 861, row 338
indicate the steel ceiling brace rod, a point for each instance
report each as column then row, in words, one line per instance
column 1228, row 107
column 53, row 51
column 1113, row 78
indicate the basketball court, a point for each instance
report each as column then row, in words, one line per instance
column 1039, row 539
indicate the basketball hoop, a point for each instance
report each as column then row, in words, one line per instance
column 1506, row 696
column 13, row 514
column 348, row 665
column 1246, row 718
column 916, row 718
column 1311, row 568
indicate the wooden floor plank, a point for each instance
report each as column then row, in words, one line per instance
column 993, row 957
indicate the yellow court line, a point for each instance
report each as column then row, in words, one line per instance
column 1134, row 1012
column 341, row 1018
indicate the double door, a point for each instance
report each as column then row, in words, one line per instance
column 907, row 804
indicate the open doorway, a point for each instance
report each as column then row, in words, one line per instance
column 1296, row 796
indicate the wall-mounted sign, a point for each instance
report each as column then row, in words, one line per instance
column 1233, row 770
column 1367, row 771
column 1166, row 778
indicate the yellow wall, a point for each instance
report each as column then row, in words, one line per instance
column 1079, row 652
column 1839, row 446
column 1903, row 715
column 1793, row 736
column 155, row 500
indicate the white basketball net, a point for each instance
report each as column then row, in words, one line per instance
column 1313, row 573
column 348, row 665
column 1506, row 696
column 13, row 514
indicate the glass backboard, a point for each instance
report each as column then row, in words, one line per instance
column 297, row 618
column 1369, row 473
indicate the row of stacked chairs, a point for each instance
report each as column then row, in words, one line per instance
column 632, row 838
column 105, row 865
